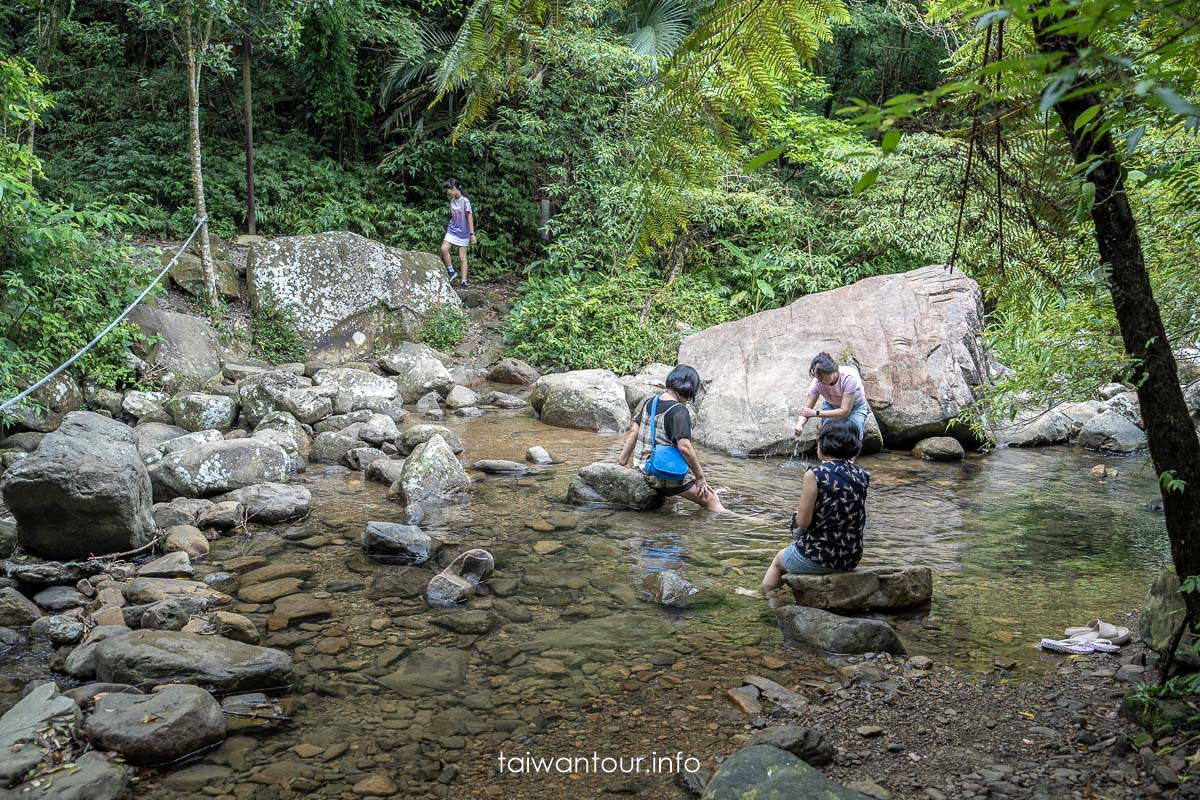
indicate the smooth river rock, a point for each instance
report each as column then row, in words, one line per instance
column 1112, row 432
column 605, row 482
column 216, row 663
column 864, row 589
column 764, row 772
column 939, row 448
column 390, row 543
column 837, row 634
column 916, row 340
column 156, row 728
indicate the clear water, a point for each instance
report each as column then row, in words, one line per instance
column 1022, row 543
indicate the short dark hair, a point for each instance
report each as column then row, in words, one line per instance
column 839, row 438
column 822, row 364
column 684, row 381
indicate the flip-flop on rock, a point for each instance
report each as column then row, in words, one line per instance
column 1103, row 630
column 1067, row 646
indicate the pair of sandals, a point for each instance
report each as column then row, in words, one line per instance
column 1095, row 637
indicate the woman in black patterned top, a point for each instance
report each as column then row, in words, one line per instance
column 828, row 523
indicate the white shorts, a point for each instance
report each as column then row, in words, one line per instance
column 457, row 241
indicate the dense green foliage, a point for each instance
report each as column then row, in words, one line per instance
column 274, row 333
column 445, row 327
column 65, row 271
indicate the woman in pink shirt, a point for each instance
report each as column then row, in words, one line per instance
column 840, row 391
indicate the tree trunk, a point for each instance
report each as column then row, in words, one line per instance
column 248, row 112
column 1174, row 446
column 191, row 57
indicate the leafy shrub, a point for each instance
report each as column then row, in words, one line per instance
column 275, row 333
column 620, row 323
column 445, row 327
column 65, row 274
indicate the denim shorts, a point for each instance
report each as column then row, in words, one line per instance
column 795, row 563
column 858, row 416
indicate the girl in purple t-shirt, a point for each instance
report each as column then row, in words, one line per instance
column 461, row 230
column 840, row 392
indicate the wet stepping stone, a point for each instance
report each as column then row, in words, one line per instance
column 499, row 467
column 298, row 608
column 270, row 590
column 156, row 657
column 271, row 572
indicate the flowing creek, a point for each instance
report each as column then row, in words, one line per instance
column 1022, row 543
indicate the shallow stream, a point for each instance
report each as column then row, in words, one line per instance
column 1022, row 543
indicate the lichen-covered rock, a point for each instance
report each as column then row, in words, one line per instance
column 349, row 295
column 284, row 423
column 939, row 448
column 424, row 376
column 419, row 434
column 378, row 429
column 590, row 399
column 49, row 405
column 220, row 467
column 84, row 491
column 156, row 728
column 613, row 484
column 404, row 356
column 864, row 589
column 331, row 448
column 431, row 471
column 916, row 341
column 267, row 392
column 836, row 634
column 200, row 412
column 1111, row 432
column 359, row 385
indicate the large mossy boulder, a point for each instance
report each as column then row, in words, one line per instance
column 149, row 658
column 220, row 467
column 1162, row 614
column 84, row 491
column 915, row 338
column 836, row 634
column 590, row 399
column 349, row 296
column 612, row 484
column 764, row 772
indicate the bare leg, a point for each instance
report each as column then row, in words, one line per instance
column 710, row 503
column 462, row 257
column 774, row 577
column 446, row 253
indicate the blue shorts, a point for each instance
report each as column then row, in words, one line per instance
column 858, row 416
column 795, row 563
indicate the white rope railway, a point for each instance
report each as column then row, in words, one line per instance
column 13, row 401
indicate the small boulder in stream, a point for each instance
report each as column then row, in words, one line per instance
column 390, row 543
column 667, row 588
column 939, row 448
column 865, row 589
column 431, row 472
column 158, row 657
column 837, row 634
column 459, row 581
column 513, row 371
column 220, row 467
column 1111, row 432
column 271, row 502
column 612, row 484
column 495, row 466
column 156, row 728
